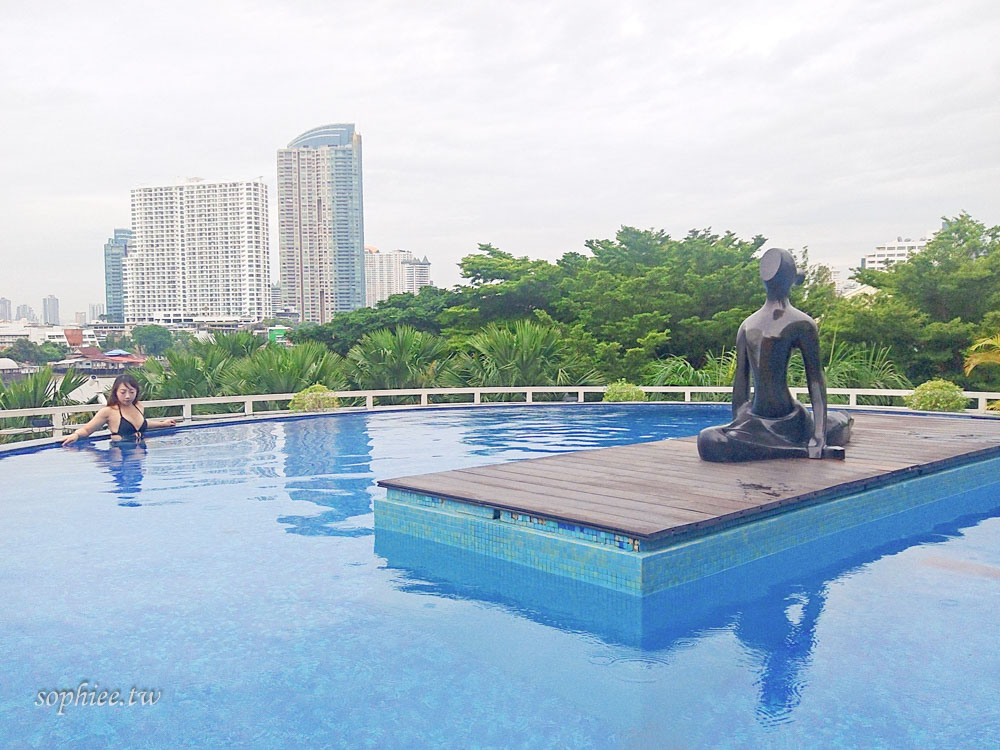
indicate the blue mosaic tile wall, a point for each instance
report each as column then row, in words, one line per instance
column 621, row 563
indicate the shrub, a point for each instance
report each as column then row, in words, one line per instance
column 622, row 391
column 937, row 395
column 314, row 398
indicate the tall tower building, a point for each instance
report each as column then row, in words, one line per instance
column 5, row 309
column 25, row 312
column 115, row 250
column 199, row 251
column 94, row 311
column 321, row 223
column 50, row 310
column 416, row 274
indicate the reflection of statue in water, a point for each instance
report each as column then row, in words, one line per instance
column 774, row 425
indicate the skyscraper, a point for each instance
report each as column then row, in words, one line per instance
column 5, row 311
column 199, row 251
column 94, row 311
column 50, row 310
column 115, row 250
column 25, row 312
column 321, row 223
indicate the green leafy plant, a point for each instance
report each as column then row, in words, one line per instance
column 314, row 398
column 622, row 391
column 937, row 395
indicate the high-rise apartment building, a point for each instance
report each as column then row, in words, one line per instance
column 416, row 274
column 5, row 309
column 94, row 311
column 115, row 250
column 321, row 223
column 394, row 272
column 50, row 310
column 199, row 252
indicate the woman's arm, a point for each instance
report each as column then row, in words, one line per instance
column 154, row 423
column 100, row 419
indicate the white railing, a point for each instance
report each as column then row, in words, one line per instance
column 58, row 414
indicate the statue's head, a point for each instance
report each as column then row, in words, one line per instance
column 777, row 271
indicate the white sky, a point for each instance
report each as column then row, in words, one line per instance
column 532, row 125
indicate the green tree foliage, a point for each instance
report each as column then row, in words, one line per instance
column 522, row 353
column 152, row 339
column 38, row 390
column 281, row 369
column 937, row 395
column 622, row 391
column 28, row 352
column 985, row 351
column 400, row 358
column 929, row 309
column 421, row 312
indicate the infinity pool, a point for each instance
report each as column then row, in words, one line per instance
column 233, row 573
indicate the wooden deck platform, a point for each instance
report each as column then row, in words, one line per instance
column 659, row 489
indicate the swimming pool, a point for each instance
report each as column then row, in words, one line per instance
column 234, row 572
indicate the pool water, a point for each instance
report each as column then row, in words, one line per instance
column 235, row 572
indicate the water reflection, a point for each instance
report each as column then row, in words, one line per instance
column 773, row 605
column 124, row 460
column 328, row 462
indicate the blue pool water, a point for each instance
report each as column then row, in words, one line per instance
column 235, row 571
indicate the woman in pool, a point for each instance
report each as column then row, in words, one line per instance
column 123, row 414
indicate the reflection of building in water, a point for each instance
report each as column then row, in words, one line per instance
column 328, row 462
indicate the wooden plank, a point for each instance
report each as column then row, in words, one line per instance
column 663, row 487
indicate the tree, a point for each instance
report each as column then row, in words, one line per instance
column 985, row 351
column 28, row 352
column 400, row 358
column 152, row 339
column 522, row 353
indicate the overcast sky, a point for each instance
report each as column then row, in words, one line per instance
column 531, row 125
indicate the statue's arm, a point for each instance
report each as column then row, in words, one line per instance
column 809, row 346
column 741, row 380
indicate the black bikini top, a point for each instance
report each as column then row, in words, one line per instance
column 126, row 428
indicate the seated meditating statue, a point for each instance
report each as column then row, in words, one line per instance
column 774, row 425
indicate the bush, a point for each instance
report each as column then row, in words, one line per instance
column 622, row 391
column 937, row 395
column 314, row 398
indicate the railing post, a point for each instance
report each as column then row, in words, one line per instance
column 852, row 399
column 248, row 407
column 186, row 412
column 369, row 402
column 579, row 397
column 423, row 398
column 982, row 404
column 57, row 423
column 527, row 396
column 687, row 395
column 477, row 397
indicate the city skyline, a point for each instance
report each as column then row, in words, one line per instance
column 533, row 130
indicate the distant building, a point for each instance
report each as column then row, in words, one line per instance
column 893, row 252
column 50, row 310
column 199, row 254
column 80, row 319
column 276, row 305
column 24, row 312
column 416, row 274
column 94, row 311
column 5, row 309
column 394, row 272
column 321, row 223
column 115, row 250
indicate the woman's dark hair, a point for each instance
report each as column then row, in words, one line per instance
column 124, row 379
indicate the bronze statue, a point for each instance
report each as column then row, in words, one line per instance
column 774, row 425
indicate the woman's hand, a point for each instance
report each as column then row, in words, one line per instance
column 72, row 438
